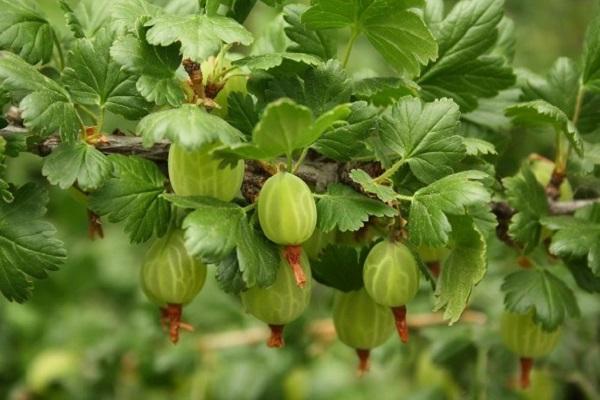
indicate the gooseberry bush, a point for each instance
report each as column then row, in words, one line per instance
column 269, row 156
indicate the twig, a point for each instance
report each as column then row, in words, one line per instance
column 322, row 330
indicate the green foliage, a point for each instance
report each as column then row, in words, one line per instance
column 30, row 248
column 133, row 194
column 77, row 162
column 340, row 267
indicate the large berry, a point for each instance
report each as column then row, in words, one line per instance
column 527, row 339
column 171, row 278
column 361, row 323
column 280, row 303
column 198, row 173
column 286, row 209
column 391, row 277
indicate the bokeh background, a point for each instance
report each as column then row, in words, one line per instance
column 89, row 333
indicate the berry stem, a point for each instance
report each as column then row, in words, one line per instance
column 171, row 314
column 526, row 366
column 292, row 255
column 435, row 268
column 401, row 325
column 276, row 338
column 363, row 361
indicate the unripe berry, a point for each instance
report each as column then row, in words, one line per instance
column 361, row 323
column 198, row 173
column 391, row 277
column 171, row 278
column 527, row 339
column 280, row 303
column 286, row 209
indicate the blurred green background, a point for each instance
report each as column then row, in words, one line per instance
column 88, row 332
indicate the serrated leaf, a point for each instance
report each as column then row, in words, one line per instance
column 463, row 70
column 309, row 41
column 339, row 267
column 133, row 194
column 189, row 125
column 541, row 112
column 490, row 112
column 394, row 30
column 478, row 147
column 211, row 230
column 320, row 88
column 242, row 113
column 541, row 292
column 383, row 91
column 422, row 134
column 29, row 246
column 583, row 275
column 156, row 67
column 383, row 192
column 258, row 258
column 462, row 269
column 356, row 209
column 48, row 108
column 507, row 39
column 228, row 275
column 127, row 13
column 89, row 17
column 559, row 87
column 526, row 195
column 200, row 36
column 428, row 223
column 77, row 162
column 265, row 62
column 343, row 142
column 577, row 236
column 26, row 32
column 72, row 21
column 94, row 79
column 591, row 55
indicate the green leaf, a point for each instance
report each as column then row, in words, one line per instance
column 86, row 18
column 72, row 21
column 423, row 135
column 428, row 223
column 264, row 62
column 77, row 162
column 591, row 55
column 127, row 13
column 490, row 112
column 228, row 275
column 462, row 269
column 258, row 258
column 286, row 126
column 394, row 30
column 189, row 125
column 369, row 185
column 94, row 79
column 506, row 41
column 29, row 246
column 309, row 41
column 200, row 36
column 541, row 112
column 133, row 194
column 320, row 88
column 48, row 109
column 478, row 147
column 483, row 77
column 541, row 292
column 24, row 31
column 526, row 195
column 382, row 91
column 345, row 141
column 211, row 230
column 462, row 70
column 559, row 87
column 156, row 67
column 577, row 236
column 356, row 209
column 583, row 275
column 242, row 113
column 339, row 267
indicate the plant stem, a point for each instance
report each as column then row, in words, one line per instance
column 61, row 56
column 578, row 104
column 300, row 159
column 89, row 112
column 402, row 197
column 353, row 36
column 249, row 207
column 390, row 171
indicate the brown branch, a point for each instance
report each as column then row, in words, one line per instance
column 322, row 330
column 318, row 172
